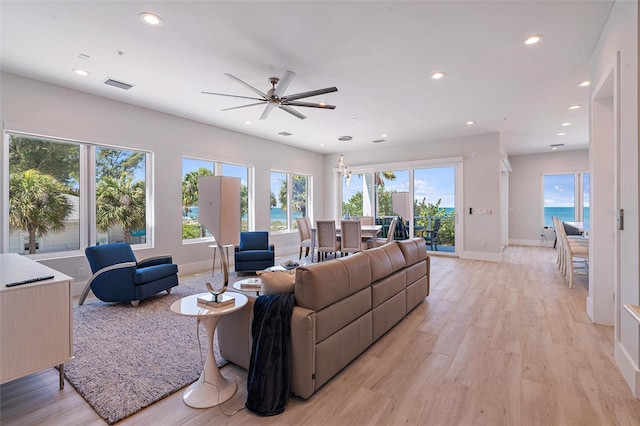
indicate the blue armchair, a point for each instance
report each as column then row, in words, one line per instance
column 254, row 252
column 118, row 277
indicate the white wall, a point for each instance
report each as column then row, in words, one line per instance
column 526, row 190
column 33, row 106
column 481, row 184
column 618, row 50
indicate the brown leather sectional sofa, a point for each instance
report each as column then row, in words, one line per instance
column 342, row 307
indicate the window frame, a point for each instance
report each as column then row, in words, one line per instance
column 291, row 225
column 86, row 189
column 578, row 195
column 218, row 171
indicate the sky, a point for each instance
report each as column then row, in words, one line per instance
column 559, row 190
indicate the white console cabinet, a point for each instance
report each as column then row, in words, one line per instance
column 36, row 319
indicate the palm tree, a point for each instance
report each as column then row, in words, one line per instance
column 120, row 202
column 37, row 204
column 190, row 188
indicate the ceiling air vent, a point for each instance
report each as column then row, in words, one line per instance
column 379, row 140
column 285, row 134
column 345, row 138
column 118, row 84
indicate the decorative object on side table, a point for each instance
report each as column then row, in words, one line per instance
column 222, row 219
column 289, row 265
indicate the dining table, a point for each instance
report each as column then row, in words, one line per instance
column 368, row 231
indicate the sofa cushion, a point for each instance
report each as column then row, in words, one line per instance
column 153, row 273
column 257, row 240
column 321, row 284
column 414, row 250
column 277, row 281
column 251, row 255
column 385, row 260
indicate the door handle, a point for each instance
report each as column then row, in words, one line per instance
column 620, row 219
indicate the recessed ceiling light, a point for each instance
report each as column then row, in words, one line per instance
column 354, row 119
column 561, row 133
column 384, row 135
column 345, row 138
column 584, row 83
column 575, row 106
column 81, row 72
column 566, row 124
column 469, row 123
column 555, row 146
column 248, row 122
column 533, row 39
column 321, row 144
column 151, row 19
column 438, row 75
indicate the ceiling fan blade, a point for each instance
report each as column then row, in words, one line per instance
column 282, row 86
column 233, row 96
column 309, row 94
column 242, row 106
column 250, row 87
column 309, row 104
column 292, row 112
column 267, row 110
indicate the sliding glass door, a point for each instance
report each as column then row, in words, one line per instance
column 425, row 198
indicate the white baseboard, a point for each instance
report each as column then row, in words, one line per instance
column 531, row 243
column 628, row 368
column 479, row 255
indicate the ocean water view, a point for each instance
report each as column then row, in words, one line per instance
column 566, row 214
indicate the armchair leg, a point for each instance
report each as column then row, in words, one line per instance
column 300, row 255
column 84, row 294
column 135, row 303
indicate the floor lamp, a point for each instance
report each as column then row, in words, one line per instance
column 219, row 212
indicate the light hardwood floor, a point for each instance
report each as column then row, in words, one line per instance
column 494, row 344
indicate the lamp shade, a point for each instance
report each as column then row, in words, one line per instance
column 219, row 207
column 401, row 204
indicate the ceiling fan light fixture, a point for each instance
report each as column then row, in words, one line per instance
column 470, row 123
column 151, row 19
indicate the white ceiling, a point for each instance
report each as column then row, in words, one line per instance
column 380, row 56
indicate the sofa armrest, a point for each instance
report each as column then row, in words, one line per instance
column 107, row 269
column 234, row 334
column 303, row 352
column 155, row 260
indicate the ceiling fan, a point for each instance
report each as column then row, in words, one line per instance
column 275, row 96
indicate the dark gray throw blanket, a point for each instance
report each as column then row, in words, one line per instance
column 268, row 379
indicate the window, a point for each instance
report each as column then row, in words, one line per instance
column 288, row 190
column 121, row 196
column 48, row 190
column 192, row 169
column 566, row 196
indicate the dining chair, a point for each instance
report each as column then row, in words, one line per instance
column 571, row 250
column 367, row 220
column 351, row 237
column 377, row 242
column 327, row 241
column 304, row 230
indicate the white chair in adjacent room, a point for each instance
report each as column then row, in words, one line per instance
column 351, row 237
column 327, row 241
